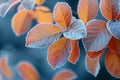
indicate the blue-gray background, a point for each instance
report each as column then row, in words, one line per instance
column 14, row 47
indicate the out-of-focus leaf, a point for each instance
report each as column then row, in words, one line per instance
column 62, row 14
column 97, row 36
column 65, row 75
column 39, row 2
column 76, row 31
column 87, row 10
column 114, row 28
column 43, row 14
column 21, row 22
column 74, row 57
column 109, row 8
column 92, row 60
column 28, row 4
column 27, row 71
column 59, row 52
column 6, row 7
column 4, row 67
column 2, row 1
column 42, row 35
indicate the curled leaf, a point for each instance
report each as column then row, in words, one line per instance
column 4, row 67
column 109, row 8
column 65, row 75
column 21, row 22
column 39, row 2
column 87, row 10
column 114, row 28
column 59, row 52
column 74, row 56
column 97, row 36
column 92, row 62
column 62, row 14
column 42, row 35
column 27, row 71
column 76, row 31
column 43, row 14
column 28, row 4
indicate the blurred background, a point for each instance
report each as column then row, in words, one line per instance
column 15, row 48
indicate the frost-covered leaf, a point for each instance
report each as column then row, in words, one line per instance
column 28, row 4
column 39, row 2
column 74, row 56
column 62, row 14
column 3, row 9
column 43, row 14
column 92, row 62
column 109, row 8
column 59, row 52
column 6, row 7
column 21, row 22
column 87, row 10
column 65, row 75
column 4, row 67
column 97, row 36
column 27, row 71
column 42, row 35
column 114, row 28
column 76, row 31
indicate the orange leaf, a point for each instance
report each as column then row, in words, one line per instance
column 59, row 52
column 21, row 22
column 112, row 63
column 74, row 57
column 39, row 2
column 109, row 8
column 65, row 75
column 97, row 36
column 27, row 71
column 43, row 14
column 32, row 15
column 87, row 10
column 114, row 45
column 42, row 35
column 5, row 68
column 92, row 62
column 62, row 14
column 118, row 17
